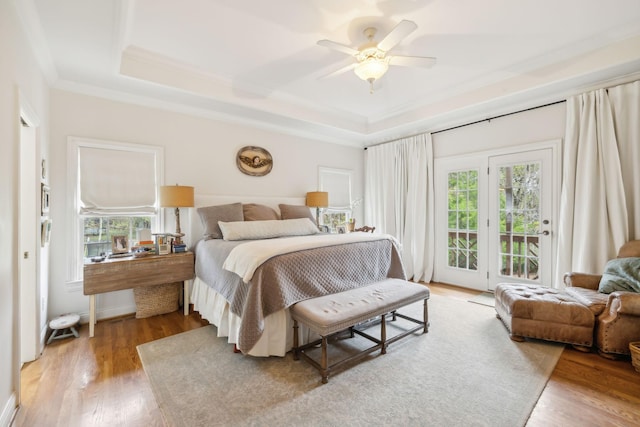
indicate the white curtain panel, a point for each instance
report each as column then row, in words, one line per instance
column 600, row 183
column 399, row 199
column 625, row 104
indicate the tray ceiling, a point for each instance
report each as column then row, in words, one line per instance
column 258, row 62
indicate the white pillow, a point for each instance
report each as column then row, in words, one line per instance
column 254, row 230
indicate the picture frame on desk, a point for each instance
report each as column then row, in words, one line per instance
column 119, row 244
column 45, row 232
column 45, row 199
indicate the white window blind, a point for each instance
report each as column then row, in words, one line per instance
column 116, row 182
column 337, row 182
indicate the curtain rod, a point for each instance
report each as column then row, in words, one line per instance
column 488, row 119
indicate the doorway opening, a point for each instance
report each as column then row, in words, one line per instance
column 499, row 209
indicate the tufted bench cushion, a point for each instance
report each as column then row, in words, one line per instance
column 329, row 314
column 543, row 313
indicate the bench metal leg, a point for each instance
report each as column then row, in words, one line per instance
column 383, row 333
column 296, row 351
column 324, row 362
column 426, row 317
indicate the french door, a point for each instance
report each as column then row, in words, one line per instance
column 498, row 211
column 520, row 223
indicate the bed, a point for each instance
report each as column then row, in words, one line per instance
column 245, row 286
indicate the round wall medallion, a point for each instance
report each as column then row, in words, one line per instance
column 254, row 161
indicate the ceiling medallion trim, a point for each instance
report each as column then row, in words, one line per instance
column 254, row 161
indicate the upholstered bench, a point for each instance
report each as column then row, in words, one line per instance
column 543, row 313
column 327, row 315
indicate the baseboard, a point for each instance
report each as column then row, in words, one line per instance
column 8, row 412
column 108, row 313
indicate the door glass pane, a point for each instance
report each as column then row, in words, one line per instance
column 462, row 213
column 519, row 204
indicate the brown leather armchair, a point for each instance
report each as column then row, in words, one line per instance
column 617, row 314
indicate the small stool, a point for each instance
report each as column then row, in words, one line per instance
column 64, row 327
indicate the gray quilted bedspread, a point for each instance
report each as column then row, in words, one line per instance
column 286, row 279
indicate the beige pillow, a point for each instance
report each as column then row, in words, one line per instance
column 296, row 211
column 256, row 212
column 255, row 230
column 210, row 216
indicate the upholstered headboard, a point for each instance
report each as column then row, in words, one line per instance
column 192, row 226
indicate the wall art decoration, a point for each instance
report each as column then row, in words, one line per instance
column 254, row 161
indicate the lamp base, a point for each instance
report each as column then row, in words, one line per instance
column 318, row 217
column 178, row 234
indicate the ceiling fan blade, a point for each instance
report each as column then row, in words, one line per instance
column 339, row 71
column 338, row 46
column 413, row 61
column 399, row 32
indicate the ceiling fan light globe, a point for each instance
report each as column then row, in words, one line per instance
column 371, row 69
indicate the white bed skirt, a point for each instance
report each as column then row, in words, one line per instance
column 277, row 338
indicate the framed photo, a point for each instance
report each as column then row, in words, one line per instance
column 341, row 229
column 44, row 193
column 45, row 232
column 324, row 228
column 119, row 245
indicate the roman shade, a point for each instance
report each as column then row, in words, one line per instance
column 116, row 182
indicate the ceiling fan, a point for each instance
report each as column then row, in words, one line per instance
column 373, row 59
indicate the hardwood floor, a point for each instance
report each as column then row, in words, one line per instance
column 100, row 381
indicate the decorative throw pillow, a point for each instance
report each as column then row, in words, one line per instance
column 295, row 211
column 210, row 216
column 621, row 274
column 256, row 212
column 254, row 230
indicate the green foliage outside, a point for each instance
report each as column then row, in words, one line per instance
column 519, row 212
column 523, row 183
column 463, row 219
column 98, row 231
column 332, row 219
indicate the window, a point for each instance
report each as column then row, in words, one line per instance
column 334, row 217
column 114, row 192
column 98, row 231
column 519, row 199
column 337, row 182
column 463, row 219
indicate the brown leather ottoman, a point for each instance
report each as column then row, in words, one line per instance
column 543, row 313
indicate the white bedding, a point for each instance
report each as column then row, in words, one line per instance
column 277, row 337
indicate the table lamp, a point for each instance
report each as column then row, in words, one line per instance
column 176, row 196
column 318, row 199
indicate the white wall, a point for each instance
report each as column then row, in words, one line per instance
column 540, row 124
column 19, row 73
column 198, row 151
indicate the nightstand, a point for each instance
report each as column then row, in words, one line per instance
column 116, row 274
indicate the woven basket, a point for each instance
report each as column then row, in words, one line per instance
column 154, row 300
column 634, row 347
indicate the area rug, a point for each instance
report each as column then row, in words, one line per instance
column 465, row 371
column 485, row 298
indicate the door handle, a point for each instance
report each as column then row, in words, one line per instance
column 544, row 233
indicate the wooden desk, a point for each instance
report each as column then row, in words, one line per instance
column 116, row 274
